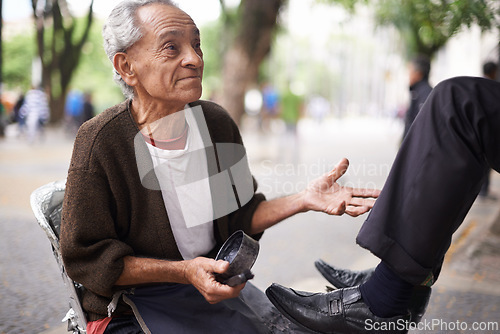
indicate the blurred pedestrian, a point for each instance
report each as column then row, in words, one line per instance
column 291, row 106
column 35, row 110
column 419, row 70
column 3, row 121
column 270, row 105
column 74, row 110
column 88, row 108
column 16, row 116
column 291, row 111
column 490, row 71
column 318, row 107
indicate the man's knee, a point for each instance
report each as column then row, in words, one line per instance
column 465, row 87
column 457, row 83
column 459, row 95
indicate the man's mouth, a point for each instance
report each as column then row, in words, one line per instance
column 191, row 77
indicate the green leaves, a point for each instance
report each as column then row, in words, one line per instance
column 426, row 25
column 18, row 52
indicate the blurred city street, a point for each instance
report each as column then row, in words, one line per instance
column 309, row 82
column 32, row 296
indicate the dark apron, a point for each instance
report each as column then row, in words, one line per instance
column 181, row 309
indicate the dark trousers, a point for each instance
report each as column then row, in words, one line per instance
column 435, row 178
column 486, row 185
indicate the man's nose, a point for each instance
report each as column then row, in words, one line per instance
column 192, row 58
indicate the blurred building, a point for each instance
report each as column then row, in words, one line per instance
column 358, row 66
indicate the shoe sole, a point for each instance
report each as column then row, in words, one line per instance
column 286, row 314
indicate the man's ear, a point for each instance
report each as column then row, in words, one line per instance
column 123, row 66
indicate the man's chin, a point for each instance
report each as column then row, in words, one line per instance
column 195, row 97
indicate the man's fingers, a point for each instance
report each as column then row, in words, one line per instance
column 364, row 192
column 358, row 201
column 355, row 211
column 339, row 169
column 220, row 292
column 220, row 266
column 337, row 210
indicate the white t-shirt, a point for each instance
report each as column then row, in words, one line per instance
column 184, row 182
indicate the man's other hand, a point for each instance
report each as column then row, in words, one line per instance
column 200, row 273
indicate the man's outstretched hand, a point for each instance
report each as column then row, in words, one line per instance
column 326, row 195
column 323, row 194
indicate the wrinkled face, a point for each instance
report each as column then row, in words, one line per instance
column 167, row 62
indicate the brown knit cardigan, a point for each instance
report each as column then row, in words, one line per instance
column 108, row 214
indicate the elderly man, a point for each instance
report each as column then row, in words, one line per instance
column 158, row 182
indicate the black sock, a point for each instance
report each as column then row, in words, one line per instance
column 385, row 293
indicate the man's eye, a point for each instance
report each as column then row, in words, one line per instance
column 170, row 47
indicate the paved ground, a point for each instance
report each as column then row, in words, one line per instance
column 32, row 296
column 33, row 300
column 467, row 293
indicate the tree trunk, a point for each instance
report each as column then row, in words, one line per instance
column 237, row 75
column 61, row 57
column 56, row 105
column 251, row 45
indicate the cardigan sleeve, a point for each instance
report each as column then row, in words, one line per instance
column 91, row 249
column 92, row 253
column 241, row 219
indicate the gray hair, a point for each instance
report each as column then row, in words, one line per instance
column 121, row 31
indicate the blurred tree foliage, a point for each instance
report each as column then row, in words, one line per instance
column 94, row 73
column 59, row 43
column 18, row 53
column 426, row 25
column 1, row 46
column 213, row 46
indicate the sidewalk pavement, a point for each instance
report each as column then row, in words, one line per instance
column 467, row 292
column 473, row 260
column 32, row 295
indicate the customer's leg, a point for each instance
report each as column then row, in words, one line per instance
column 435, row 178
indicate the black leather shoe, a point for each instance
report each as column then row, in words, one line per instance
column 343, row 278
column 340, row 311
